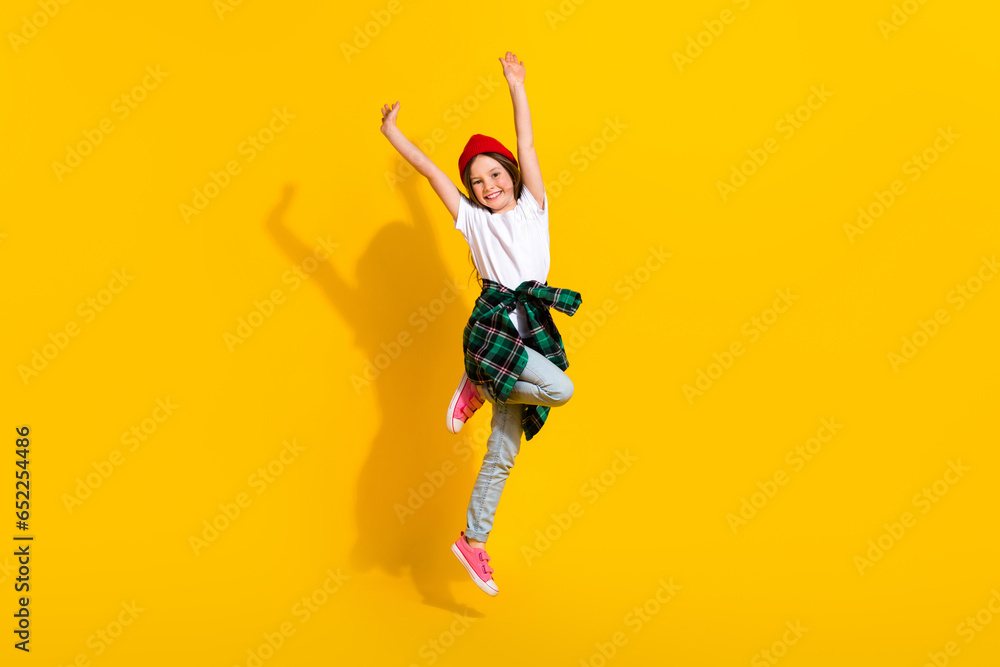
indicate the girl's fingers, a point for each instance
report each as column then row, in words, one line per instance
column 389, row 109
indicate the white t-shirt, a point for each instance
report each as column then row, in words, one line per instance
column 510, row 247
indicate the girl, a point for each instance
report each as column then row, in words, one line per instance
column 513, row 351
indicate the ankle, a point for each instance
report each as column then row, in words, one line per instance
column 475, row 544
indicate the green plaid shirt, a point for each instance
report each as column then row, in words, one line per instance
column 494, row 352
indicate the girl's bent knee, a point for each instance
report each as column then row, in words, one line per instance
column 562, row 391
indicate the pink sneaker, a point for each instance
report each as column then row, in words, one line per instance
column 467, row 399
column 476, row 562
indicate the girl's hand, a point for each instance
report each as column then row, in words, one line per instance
column 389, row 114
column 513, row 70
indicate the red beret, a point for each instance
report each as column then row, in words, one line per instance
column 480, row 143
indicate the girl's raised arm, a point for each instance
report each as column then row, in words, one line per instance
column 443, row 186
column 527, row 159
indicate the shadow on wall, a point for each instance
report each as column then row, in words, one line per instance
column 400, row 273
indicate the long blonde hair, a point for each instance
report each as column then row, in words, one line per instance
column 515, row 177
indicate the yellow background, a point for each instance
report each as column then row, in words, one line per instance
column 655, row 185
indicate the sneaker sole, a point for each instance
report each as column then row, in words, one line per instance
column 475, row 578
column 450, row 424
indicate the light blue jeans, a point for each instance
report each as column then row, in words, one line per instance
column 540, row 383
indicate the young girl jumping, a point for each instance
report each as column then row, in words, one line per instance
column 514, row 357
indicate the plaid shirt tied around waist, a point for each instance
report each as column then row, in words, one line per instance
column 494, row 352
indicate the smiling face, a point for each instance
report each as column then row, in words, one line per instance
column 492, row 184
